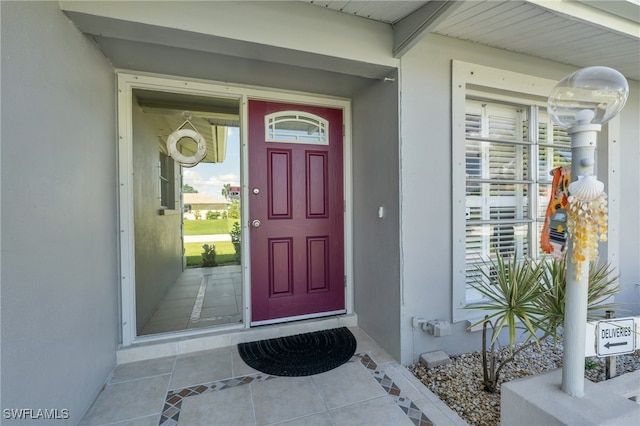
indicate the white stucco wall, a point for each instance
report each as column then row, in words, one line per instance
column 426, row 224
column 58, row 232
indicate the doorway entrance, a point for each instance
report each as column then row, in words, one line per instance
column 296, row 211
column 294, row 266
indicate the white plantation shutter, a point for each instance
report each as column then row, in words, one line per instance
column 554, row 147
column 503, row 147
column 498, row 151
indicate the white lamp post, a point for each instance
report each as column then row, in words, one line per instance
column 582, row 102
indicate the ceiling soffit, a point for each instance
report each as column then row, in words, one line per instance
column 532, row 30
column 574, row 33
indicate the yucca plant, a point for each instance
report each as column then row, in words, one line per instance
column 530, row 295
column 510, row 287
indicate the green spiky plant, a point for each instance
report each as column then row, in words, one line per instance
column 529, row 295
column 510, row 288
column 603, row 285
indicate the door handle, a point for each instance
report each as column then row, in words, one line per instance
column 255, row 223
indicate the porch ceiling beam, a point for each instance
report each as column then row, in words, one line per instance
column 118, row 29
column 412, row 28
column 289, row 32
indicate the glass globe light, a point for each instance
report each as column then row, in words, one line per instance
column 592, row 95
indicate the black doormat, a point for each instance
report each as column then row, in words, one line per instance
column 302, row 354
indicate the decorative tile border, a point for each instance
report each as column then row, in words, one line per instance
column 411, row 410
column 173, row 401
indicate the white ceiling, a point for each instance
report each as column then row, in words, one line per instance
column 531, row 28
column 383, row 11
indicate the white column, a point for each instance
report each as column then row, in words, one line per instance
column 583, row 146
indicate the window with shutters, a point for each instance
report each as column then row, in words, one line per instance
column 504, row 148
column 508, row 157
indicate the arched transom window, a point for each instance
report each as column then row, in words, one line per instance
column 296, row 127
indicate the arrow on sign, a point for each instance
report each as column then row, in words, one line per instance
column 608, row 344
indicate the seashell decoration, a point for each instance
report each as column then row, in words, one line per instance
column 587, row 219
column 586, row 188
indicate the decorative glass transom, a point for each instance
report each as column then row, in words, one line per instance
column 296, row 127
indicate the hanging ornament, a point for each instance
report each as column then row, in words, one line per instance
column 180, row 133
column 587, row 219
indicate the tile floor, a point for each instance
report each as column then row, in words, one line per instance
column 215, row 387
column 201, row 297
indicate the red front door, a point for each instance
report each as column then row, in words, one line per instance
column 296, row 211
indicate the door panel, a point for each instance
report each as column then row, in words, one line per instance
column 280, row 258
column 318, row 263
column 296, row 182
column 279, row 183
column 316, row 181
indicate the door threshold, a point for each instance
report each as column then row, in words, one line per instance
column 180, row 345
column 298, row 318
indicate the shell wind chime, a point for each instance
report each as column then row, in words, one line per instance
column 587, row 219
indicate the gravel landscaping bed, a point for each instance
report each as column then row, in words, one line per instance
column 459, row 384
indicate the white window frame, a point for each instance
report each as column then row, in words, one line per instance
column 469, row 80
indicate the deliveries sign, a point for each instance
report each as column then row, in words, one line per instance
column 615, row 337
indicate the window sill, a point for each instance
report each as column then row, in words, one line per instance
column 168, row 212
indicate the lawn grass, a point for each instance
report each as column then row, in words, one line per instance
column 224, row 252
column 208, row 227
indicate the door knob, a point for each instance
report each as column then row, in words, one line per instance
column 256, row 190
column 255, row 223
